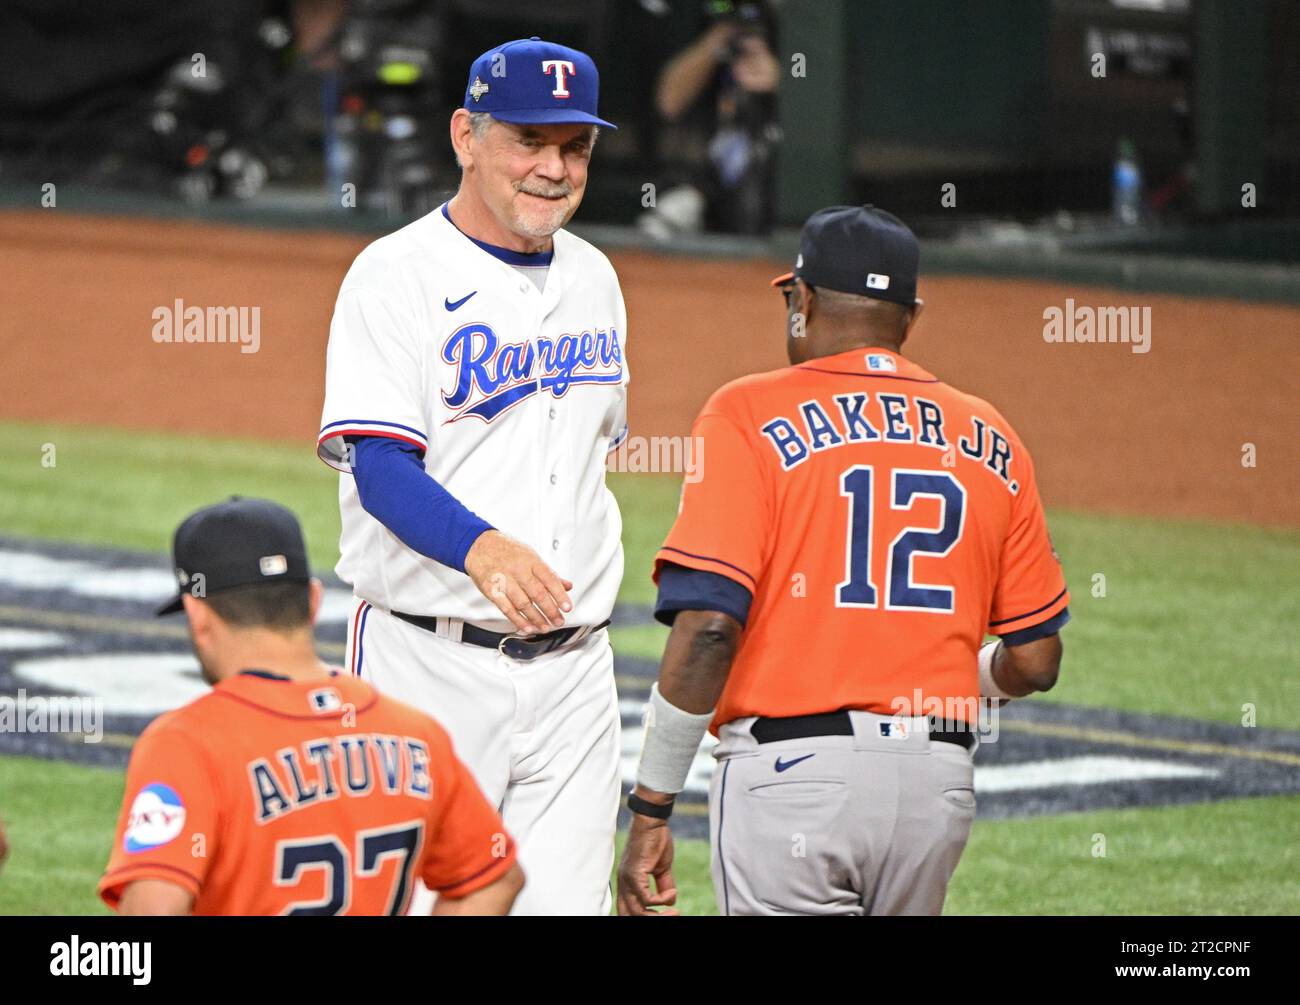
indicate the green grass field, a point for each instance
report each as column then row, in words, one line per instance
column 1219, row 858
column 1195, row 620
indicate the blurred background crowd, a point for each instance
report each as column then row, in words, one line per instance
column 735, row 116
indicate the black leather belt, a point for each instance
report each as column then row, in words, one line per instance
column 799, row 727
column 517, row 647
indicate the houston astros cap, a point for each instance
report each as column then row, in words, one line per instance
column 858, row 249
column 236, row 543
column 529, row 81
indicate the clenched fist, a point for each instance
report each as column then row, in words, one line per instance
column 524, row 588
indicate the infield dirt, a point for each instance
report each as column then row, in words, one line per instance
column 1160, row 433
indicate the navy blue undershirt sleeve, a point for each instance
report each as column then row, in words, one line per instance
column 396, row 490
column 1040, row 631
column 683, row 589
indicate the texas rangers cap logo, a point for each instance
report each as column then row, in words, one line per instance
column 563, row 69
column 529, row 82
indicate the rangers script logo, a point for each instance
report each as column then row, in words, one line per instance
column 491, row 377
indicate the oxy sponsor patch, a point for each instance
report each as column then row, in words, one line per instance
column 157, row 817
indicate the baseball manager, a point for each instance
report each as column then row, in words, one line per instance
column 475, row 381
column 858, row 529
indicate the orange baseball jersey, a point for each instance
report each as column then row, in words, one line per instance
column 883, row 522
column 277, row 796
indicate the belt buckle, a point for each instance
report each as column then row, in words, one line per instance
column 526, row 657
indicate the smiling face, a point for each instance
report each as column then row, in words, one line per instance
column 529, row 177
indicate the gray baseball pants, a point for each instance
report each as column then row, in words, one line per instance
column 872, row 823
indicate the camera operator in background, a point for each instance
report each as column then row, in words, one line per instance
column 723, row 85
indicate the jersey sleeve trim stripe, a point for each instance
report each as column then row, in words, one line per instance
column 682, row 588
column 387, row 434
column 1030, row 614
column 329, row 445
column 704, row 558
column 1023, row 636
column 116, row 880
column 367, row 423
column 488, row 874
column 617, row 441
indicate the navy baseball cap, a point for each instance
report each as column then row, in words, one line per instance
column 531, row 82
column 238, row 542
column 858, row 249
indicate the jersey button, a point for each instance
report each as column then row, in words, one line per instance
column 552, row 413
column 523, row 287
column 555, row 545
column 553, row 479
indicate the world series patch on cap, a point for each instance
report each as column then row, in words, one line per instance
column 532, row 82
column 858, row 249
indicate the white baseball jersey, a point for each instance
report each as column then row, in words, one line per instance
column 514, row 394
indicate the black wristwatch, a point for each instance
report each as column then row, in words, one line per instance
column 660, row 811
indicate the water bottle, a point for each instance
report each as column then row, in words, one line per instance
column 1126, row 185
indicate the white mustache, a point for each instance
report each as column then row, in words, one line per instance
column 565, row 191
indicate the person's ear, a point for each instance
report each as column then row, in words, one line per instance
column 462, row 132
column 317, row 595
column 807, row 297
column 202, row 620
column 912, row 315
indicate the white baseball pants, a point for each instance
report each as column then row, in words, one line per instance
column 540, row 737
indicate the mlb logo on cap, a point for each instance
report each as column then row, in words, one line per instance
column 532, row 82
column 239, row 542
column 860, row 250
column 273, row 565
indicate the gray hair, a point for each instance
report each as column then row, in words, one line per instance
column 479, row 122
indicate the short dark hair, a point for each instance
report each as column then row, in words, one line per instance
column 884, row 320
column 281, row 607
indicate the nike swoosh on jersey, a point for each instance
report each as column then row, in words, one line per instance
column 452, row 306
column 782, row 765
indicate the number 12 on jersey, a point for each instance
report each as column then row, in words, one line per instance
column 901, row 593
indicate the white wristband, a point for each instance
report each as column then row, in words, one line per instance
column 672, row 738
column 988, row 686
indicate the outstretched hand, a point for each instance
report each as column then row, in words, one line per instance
column 523, row 587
